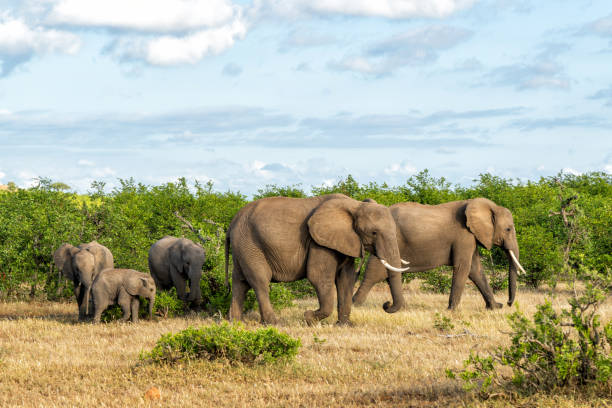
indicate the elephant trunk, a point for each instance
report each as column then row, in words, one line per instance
column 151, row 305
column 395, row 274
column 195, row 293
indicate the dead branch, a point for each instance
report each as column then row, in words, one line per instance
column 191, row 227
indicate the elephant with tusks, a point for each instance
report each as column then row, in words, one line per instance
column 281, row 239
column 449, row 234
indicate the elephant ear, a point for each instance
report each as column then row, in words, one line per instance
column 331, row 226
column 479, row 220
column 369, row 200
column 134, row 283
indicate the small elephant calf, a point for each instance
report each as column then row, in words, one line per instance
column 122, row 286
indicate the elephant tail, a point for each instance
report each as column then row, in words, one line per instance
column 227, row 249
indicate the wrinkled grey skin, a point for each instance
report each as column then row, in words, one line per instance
column 280, row 239
column 81, row 265
column 448, row 234
column 122, row 286
column 173, row 262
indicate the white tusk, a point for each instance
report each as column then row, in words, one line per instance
column 404, row 262
column 393, row 268
column 516, row 262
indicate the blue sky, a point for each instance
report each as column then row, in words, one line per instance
column 249, row 93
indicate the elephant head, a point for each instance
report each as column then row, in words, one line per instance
column 188, row 257
column 62, row 257
column 492, row 224
column 137, row 285
column 350, row 227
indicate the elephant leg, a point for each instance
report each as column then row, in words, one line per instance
column 321, row 271
column 99, row 308
column 462, row 264
column 480, row 280
column 258, row 275
column 180, row 283
column 125, row 301
column 345, row 281
column 84, row 307
column 375, row 272
column 240, row 287
column 135, row 306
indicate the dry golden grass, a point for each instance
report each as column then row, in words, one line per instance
column 47, row 359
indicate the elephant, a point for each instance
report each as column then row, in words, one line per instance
column 173, row 261
column 122, row 286
column 281, row 239
column 81, row 265
column 448, row 234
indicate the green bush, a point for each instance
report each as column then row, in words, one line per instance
column 553, row 349
column 224, row 341
column 167, row 304
column 114, row 312
column 36, row 221
column 437, row 280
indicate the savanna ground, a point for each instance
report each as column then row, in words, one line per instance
column 47, row 359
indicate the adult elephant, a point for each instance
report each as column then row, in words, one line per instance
column 448, row 234
column 280, row 239
column 174, row 261
column 81, row 265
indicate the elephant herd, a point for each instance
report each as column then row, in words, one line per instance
column 172, row 262
column 281, row 239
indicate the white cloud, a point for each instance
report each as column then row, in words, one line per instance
column 168, row 50
column 83, row 162
column 394, row 9
column 402, row 168
column 2, row 175
column 103, row 172
column 607, row 168
column 19, row 42
column 569, row 170
column 143, row 15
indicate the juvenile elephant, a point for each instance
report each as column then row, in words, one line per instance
column 448, row 234
column 280, row 239
column 81, row 265
column 122, row 286
column 173, row 262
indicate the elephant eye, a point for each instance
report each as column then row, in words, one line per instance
column 373, row 232
column 509, row 229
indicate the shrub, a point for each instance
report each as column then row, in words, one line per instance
column 114, row 312
column 553, row 349
column 443, row 323
column 437, row 281
column 224, row 341
column 167, row 304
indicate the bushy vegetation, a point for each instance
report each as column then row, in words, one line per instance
column 128, row 219
column 224, row 341
column 553, row 349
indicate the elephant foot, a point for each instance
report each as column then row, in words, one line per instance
column 357, row 301
column 345, row 323
column 310, row 317
column 494, row 305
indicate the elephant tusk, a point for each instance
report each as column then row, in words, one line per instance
column 516, row 261
column 393, row 268
column 404, row 262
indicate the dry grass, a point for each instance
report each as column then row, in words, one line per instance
column 47, row 359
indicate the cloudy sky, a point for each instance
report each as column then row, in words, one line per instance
column 254, row 92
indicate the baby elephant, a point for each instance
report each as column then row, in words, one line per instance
column 122, row 286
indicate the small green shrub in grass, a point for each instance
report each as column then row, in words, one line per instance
column 437, row 281
column 224, row 341
column 553, row 350
column 167, row 304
